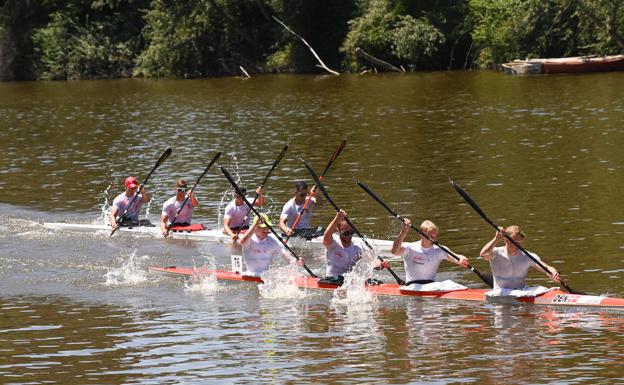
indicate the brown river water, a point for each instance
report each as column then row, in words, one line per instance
column 542, row 152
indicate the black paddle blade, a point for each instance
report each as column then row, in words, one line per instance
column 485, row 277
column 212, row 161
column 570, row 290
column 275, row 163
column 280, row 156
column 378, row 199
column 164, row 156
column 471, row 202
column 319, row 184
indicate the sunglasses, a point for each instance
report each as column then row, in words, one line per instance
column 347, row 233
column 181, row 189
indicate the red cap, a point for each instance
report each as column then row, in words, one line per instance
column 131, row 182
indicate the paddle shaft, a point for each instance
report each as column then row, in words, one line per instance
column 313, row 192
column 331, row 201
column 160, row 161
column 481, row 213
column 266, row 178
column 239, row 192
column 214, row 159
column 423, row 234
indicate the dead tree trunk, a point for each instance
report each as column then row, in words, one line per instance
column 321, row 64
column 384, row 64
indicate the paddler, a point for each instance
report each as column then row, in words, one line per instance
column 259, row 247
column 172, row 206
column 509, row 264
column 236, row 217
column 126, row 201
column 341, row 251
column 295, row 208
column 422, row 259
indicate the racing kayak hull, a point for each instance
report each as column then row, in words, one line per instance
column 211, row 235
column 553, row 298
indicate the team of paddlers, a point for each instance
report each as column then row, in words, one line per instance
column 509, row 263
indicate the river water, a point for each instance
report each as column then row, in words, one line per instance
column 542, row 152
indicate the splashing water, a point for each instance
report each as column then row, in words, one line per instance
column 281, row 283
column 353, row 290
column 203, row 281
column 105, row 207
column 130, row 273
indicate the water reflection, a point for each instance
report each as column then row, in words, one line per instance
column 540, row 151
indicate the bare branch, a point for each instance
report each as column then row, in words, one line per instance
column 321, row 64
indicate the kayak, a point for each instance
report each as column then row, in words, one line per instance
column 554, row 297
column 211, row 235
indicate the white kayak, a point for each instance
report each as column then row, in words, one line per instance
column 211, row 235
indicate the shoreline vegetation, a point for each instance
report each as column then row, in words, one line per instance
column 94, row 39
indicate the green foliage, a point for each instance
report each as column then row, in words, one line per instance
column 280, row 60
column 72, row 39
column 204, row 37
column 497, row 24
column 510, row 29
column 412, row 39
column 68, row 50
column 384, row 32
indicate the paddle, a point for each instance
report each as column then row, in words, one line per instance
column 266, row 178
column 484, row 277
column 313, row 192
column 188, row 196
column 160, row 161
column 479, row 211
column 239, row 192
column 319, row 184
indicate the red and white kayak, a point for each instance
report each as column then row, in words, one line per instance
column 211, row 235
column 554, row 297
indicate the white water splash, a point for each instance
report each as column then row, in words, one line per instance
column 281, row 282
column 104, row 207
column 353, row 290
column 131, row 272
column 203, row 281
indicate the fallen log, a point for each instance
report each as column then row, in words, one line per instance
column 321, row 64
column 384, row 64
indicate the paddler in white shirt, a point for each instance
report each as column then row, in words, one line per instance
column 237, row 216
column 259, row 248
column 422, row 259
column 341, row 252
column 126, row 201
column 509, row 264
column 294, row 207
column 173, row 204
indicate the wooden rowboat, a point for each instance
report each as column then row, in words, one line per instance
column 577, row 64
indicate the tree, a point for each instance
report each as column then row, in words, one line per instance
column 385, row 31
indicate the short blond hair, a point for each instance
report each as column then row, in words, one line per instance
column 427, row 226
column 511, row 231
